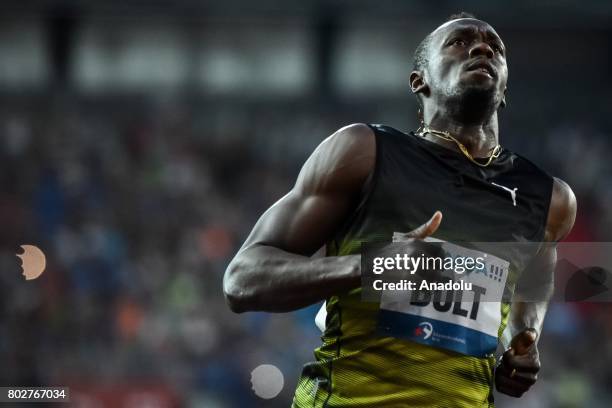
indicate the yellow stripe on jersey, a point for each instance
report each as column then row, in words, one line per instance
column 356, row 367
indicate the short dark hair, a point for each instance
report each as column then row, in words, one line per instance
column 420, row 54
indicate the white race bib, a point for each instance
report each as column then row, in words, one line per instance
column 466, row 325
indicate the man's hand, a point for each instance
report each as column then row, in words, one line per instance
column 520, row 364
column 416, row 246
column 423, row 231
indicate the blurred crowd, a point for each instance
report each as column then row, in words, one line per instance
column 140, row 204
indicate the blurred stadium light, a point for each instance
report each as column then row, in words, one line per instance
column 23, row 55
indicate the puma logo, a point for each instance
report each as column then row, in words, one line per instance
column 511, row 191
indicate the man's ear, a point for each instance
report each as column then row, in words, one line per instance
column 417, row 83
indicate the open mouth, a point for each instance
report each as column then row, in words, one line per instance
column 483, row 68
column 484, row 71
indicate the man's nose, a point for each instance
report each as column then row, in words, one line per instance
column 481, row 48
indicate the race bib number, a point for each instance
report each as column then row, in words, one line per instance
column 465, row 321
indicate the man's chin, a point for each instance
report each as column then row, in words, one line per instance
column 478, row 93
column 481, row 83
column 474, row 101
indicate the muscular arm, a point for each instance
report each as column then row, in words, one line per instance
column 521, row 363
column 273, row 270
column 531, row 298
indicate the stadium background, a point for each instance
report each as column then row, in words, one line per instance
column 141, row 140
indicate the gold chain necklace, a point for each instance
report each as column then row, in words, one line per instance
column 447, row 136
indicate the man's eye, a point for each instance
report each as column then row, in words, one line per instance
column 497, row 48
column 459, row 42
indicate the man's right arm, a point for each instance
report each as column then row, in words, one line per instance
column 273, row 270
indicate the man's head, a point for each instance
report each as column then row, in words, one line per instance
column 461, row 65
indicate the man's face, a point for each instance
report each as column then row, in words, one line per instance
column 466, row 55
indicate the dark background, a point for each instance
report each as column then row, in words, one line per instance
column 141, row 140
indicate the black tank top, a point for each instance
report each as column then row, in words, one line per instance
column 506, row 201
column 412, row 179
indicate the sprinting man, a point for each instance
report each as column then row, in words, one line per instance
column 450, row 180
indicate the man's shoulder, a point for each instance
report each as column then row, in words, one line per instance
column 379, row 128
column 342, row 162
column 355, row 132
column 562, row 211
column 348, row 141
column 562, row 202
column 527, row 165
column 358, row 140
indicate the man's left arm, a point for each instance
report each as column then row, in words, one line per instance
column 520, row 363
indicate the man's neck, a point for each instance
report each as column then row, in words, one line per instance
column 479, row 138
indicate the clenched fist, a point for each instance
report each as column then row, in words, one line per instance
column 519, row 366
